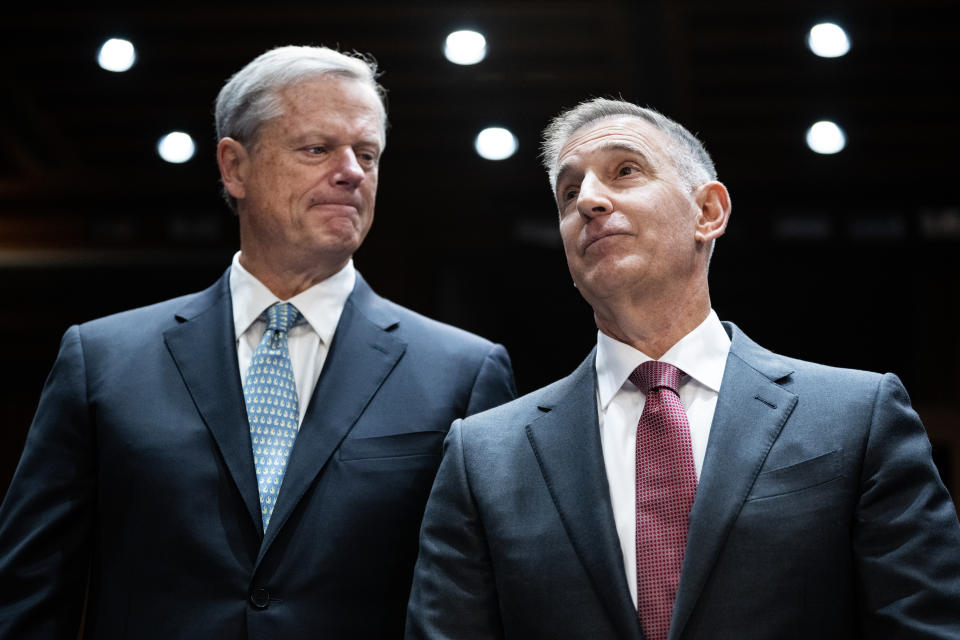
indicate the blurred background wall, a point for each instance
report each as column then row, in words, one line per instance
column 848, row 258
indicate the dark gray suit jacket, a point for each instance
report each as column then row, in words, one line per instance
column 819, row 514
column 138, row 468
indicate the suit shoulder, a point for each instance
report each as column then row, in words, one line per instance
column 833, row 374
column 799, row 371
column 493, row 439
column 838, row 386
column 516, row 414
column 415, row 325
column 138, row 322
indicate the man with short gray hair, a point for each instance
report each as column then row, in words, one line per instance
column 250, row 461
column 683, row 482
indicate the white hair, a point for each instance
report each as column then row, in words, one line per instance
column 689, row 155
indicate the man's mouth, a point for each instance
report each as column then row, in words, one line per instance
column 593, row 239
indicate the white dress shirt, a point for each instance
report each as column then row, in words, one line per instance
column 321, row 306
column 702, row 356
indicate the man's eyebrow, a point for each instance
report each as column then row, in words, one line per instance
column 607, row 147
column 627, row 147
column 308, row 137
column 318, row 136
column 562, row 172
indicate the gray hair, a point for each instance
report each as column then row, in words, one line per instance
column 689, row 155
column 249, row 98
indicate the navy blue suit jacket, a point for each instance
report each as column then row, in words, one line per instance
column 819, row 514
column 137, row 479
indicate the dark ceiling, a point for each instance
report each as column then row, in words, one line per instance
column 78, row 167
column 850, row 259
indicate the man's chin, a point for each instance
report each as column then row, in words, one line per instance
column 337, row 242
column 607, row 278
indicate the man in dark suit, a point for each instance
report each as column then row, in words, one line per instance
column 683, row 482
column 250, row 461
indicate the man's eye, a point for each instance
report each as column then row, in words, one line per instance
column 569, row 194
column 316, row 150
column 625, row 171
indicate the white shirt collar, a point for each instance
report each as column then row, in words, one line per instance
column 321, row 304
column 701, row 354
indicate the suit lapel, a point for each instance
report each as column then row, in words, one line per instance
column 203, row 346
column 566, row 443
column 361, row 356
column 751, row 411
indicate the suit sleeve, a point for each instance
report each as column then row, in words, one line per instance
column 906, row 538
column 453, row 594
column 46, row 517
column 494, row 384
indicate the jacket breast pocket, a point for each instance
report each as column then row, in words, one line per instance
column 396, row 451
column 807, row 474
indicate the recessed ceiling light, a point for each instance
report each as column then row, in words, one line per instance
column 828, row 40
column 495, row 143
column 176, row 147
column 826, row 137
column 465, row 47
column 117, row 54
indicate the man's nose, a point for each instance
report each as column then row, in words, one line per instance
column 348, row 173
column 592, row 199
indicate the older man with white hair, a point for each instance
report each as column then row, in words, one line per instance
column 250, row 461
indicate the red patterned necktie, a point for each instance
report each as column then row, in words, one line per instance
column 666, row 484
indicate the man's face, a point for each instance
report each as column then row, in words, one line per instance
column 627, row 220
column 310, row 180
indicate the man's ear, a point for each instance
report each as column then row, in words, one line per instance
column 714, row 203
column 232, row 158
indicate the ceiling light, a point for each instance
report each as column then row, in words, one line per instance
column 828, row 40
column 176, row 147
column 495, row 143
column 465, row 47
column 826, row 137
column 117, row 54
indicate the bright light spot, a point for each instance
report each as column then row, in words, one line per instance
column 495, row 143
column 117, row 55
column 828, row 40
column 465, row 47
column 826, row 137
column 176, row 147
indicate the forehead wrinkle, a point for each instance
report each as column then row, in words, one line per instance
column 294, row 101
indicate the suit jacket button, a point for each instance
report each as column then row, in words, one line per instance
column 260, row 598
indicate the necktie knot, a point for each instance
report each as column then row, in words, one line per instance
column 282, row 317
column 654, row 374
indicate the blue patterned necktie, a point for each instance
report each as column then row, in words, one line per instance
column 273, row 411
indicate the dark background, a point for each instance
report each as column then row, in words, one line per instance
column 849, row 259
